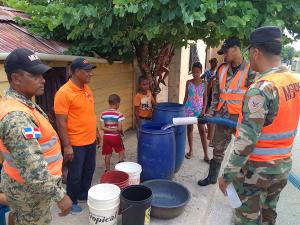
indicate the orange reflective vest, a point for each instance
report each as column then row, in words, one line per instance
column 234, row 94
column 49, row 142
column 276, row 140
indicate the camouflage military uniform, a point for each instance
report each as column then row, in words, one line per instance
column 30, row 202
column 223, row 134
column 258, row 183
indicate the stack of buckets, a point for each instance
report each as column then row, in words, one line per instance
column 120, row 186
column 119, row 178
column 132, row 169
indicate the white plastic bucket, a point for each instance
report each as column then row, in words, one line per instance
column 233, row 197
column 107, row 216
column 133, row 169
column 104, row 196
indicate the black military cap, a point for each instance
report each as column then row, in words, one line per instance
column 24, row 59
column 81, row 63
column 229, row 43
column 265, row 35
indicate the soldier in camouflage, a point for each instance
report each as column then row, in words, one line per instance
column 31, row 201
column 223, row 134
column 259, row 164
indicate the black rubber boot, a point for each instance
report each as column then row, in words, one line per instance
column 214, row 169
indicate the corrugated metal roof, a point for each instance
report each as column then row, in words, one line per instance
column 13, row 36
column 8, row 14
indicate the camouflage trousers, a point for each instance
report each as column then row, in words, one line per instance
column 26, row 208
column 221, row 140
column 259, row 194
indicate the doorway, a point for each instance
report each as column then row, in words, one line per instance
column 55, row 78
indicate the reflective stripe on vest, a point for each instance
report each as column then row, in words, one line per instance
column 233, row 95
column 49, row 159
column 271, row 151
column 278, row 136
column 49, row 142
column 276, row 140
column 233, row 91
column 231, row 101
column 223, row 72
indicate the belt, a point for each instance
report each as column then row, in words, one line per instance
column 145, row 118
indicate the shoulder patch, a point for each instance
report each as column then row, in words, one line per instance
column 256, row 103
column 31, row 133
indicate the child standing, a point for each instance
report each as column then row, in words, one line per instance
column 111, row 124
column 143, row 102
column 195, row 101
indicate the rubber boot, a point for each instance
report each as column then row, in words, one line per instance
column 214, row 169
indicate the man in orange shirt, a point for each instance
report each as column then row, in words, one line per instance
column 76, row 122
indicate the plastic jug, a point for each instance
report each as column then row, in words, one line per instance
column 233, row 197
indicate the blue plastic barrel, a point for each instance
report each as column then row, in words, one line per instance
column 156, row 152
column 164, row 113
column 3, row 209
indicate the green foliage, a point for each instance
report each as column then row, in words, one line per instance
column 112, row 28
column 288, row 53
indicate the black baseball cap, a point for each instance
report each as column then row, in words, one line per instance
column 265, row 34
column 229, row 43
column 213, row 60
column 81, row 63
column 24, row 59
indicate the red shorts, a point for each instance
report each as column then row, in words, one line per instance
column 110, row 143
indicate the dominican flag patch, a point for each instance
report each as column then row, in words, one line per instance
column 32, row 133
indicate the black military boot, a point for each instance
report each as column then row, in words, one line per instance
column 214, row 169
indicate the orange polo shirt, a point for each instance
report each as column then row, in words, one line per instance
column 78, row 105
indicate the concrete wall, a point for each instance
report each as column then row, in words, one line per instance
column 179, row 71
column 107, row 79
column 163, row 96
column 3, row 80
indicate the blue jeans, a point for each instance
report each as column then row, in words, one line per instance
column 80, row 172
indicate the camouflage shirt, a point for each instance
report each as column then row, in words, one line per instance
column 266, row 96
column 216, row 90
column 27, row 154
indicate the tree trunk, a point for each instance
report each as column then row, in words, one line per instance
column 156, row 68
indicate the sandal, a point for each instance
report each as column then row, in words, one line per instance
column 188, row 155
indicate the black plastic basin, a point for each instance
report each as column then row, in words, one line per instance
column 169, row 198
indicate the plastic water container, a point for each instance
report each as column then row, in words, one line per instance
column 3, row 211
column 133, row 169
column 156, row 152
column 105, row 216
column 103, row 202
column 136, row 205
column 116, row 177
column 233, row 197
column 164, row 113
column 104, row 196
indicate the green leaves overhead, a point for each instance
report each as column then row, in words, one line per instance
column 112, row 27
